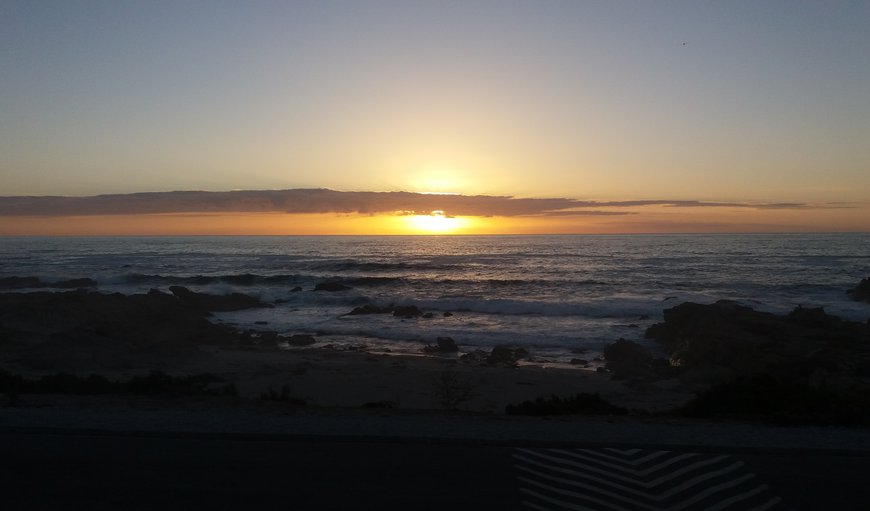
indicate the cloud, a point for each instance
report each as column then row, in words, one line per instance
column 321, row 200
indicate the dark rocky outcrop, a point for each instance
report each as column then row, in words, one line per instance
column 300, row 340
column 474, row 356
column 628, row 359
column 75, row 283
column 444, row 345
column 400, row 311
column 331, row 286
column 20, row 282
column 370, row 309
column 407, row 311
column 803, row 367
column 726, row 339
column 217, row 303
column 718, row 342
column 861, row 293
column 89, row 330
column 504, row 356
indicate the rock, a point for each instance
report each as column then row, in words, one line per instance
column 269, row 338
column 446, row 345
column 300, row 340
column 81, row 330
column 579, row 361
column 814, row 317
column 20, row 282
column 331, row 286
column 75, row 283
column 862, row 292
column 296, row 289
column 474, row 356
column 428, row 315
column 627, row 359
column 662, row 367
column 717, row 342
column 217, row 303
column 448, row 314
column 369, row 309
column 407, row 311
column 503, row 356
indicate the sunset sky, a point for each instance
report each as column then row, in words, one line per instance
column 547, row 116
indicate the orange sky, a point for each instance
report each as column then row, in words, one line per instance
column 651, row 219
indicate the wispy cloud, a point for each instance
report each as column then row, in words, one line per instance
column 331, row 201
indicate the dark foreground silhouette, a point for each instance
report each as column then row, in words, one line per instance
column 806, row 367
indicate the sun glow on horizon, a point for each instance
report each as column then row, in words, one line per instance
column 436, row 222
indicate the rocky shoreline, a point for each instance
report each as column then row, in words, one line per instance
column 803, row 367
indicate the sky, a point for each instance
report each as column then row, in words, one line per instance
column 738, row 116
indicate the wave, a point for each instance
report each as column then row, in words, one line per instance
column 520, row 282
column 242, row 279
column 602, row 308
column 248, row 279
column 378, row 266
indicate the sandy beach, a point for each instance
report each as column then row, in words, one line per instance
column 325, row 378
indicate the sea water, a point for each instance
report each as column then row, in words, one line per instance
column 558, row 296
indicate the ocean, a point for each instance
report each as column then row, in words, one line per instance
column 560, row 297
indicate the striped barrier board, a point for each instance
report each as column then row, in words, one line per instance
column 638, row 480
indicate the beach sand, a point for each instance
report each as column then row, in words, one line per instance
column 326, row 378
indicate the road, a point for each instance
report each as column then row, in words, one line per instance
column 56, row 470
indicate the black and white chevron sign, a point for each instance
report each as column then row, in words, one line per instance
column 638, row 480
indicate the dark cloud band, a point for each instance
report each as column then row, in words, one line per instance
column 330, row 201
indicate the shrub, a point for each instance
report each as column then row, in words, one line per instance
column 578, row 404
column 285, row 396
column 762, row 396
column 451, row 389
column 156, row 382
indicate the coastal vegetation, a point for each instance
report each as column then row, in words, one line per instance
column 155, row 383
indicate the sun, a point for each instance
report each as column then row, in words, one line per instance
column 435, row 223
